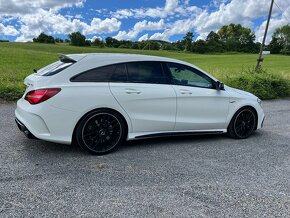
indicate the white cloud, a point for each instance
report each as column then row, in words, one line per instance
column 99, row 26
column 140, row 27
column 21, row 7
column 175, row 17
column 274, row 24
column 50, row 23
column 8, row 30
column 78, row 16
column 171, row 8
column 188, row 17
column 178, row 27
column 144, row 37
column 236, row 11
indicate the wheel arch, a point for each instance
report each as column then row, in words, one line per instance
column 240, row 108
column 96, row 109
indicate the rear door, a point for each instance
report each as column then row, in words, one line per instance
column 146, row 97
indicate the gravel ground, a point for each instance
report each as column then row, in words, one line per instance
column 196, row 176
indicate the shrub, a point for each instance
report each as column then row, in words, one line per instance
column 11, row 92
column 261, row 83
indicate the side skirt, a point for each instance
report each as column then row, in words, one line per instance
column 165, row 134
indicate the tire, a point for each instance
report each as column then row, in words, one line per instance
column 101, row 131
column 243, row 123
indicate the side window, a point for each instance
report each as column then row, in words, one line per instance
column 120, row 74
column 114, row 73
column 145, row 72
column 187, row 76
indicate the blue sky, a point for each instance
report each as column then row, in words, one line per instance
column 21, row 20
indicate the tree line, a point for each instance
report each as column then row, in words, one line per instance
column 229, row 38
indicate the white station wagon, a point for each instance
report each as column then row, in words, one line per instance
column 100, row 100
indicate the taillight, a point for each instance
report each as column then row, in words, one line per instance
column 41, row 95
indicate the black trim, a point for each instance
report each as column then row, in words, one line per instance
column 165, row 134
column 23, row 129
column 65, row 59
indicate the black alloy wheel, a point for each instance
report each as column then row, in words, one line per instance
column 243, row 123
column 100, row 132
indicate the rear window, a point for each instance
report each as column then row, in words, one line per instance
column 53, row 68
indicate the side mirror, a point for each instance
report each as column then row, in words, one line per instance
column 219, row 85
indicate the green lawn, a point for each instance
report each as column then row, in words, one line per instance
column 17, row 60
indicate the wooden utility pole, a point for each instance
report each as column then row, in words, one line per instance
column 260, row 59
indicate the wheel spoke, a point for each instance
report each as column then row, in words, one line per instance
column 244, row 123
column 101, row 132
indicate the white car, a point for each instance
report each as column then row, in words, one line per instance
column 100, row 100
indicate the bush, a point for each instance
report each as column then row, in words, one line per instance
column 261, row 83
column 11, row 92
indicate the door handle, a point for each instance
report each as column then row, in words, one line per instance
column 184, row 92
column 132, row 91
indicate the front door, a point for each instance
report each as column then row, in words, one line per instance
column 199, row 105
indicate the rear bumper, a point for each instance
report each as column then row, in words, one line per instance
column 45, row 122
column 23, row 129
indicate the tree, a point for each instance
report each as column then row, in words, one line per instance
column 151, row 45
column 280, row 42
column 167, row 46
column 213, row 42
column 125, row 43
column 275, row 46
column 98, row 42
column 188, row 41
column 179, row 45
column 112, row 42
column 76, row 38
column 235, row 37
column 43, row 38
column 58, row 40
column 135, row 45
column 200, row 46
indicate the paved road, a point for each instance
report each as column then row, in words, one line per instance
column 205, row 176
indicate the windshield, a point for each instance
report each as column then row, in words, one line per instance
column 53, row 68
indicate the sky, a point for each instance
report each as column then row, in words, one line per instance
column 169, row 20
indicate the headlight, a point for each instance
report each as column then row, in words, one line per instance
column 259, row 101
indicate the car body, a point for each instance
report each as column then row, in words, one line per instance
column 150, row 96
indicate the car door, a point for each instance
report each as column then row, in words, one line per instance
column 146, row 96
column 200, row 106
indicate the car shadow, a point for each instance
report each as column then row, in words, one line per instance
column 43, row 147
column 171, row 140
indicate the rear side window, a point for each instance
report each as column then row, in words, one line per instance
column 53, row 68
column 145, row 72
column 111, row 73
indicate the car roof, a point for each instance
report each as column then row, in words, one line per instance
column 119, row 57
column 101, row 59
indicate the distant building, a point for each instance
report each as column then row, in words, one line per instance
column 266, row 52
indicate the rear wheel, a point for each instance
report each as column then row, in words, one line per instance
column 243, row 123
column 100, row 131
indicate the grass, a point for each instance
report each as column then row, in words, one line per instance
column 17, row 60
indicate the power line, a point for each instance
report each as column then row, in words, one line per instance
column 287, row 18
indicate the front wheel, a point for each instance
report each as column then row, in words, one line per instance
column 100, row 131
column 243, row 123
